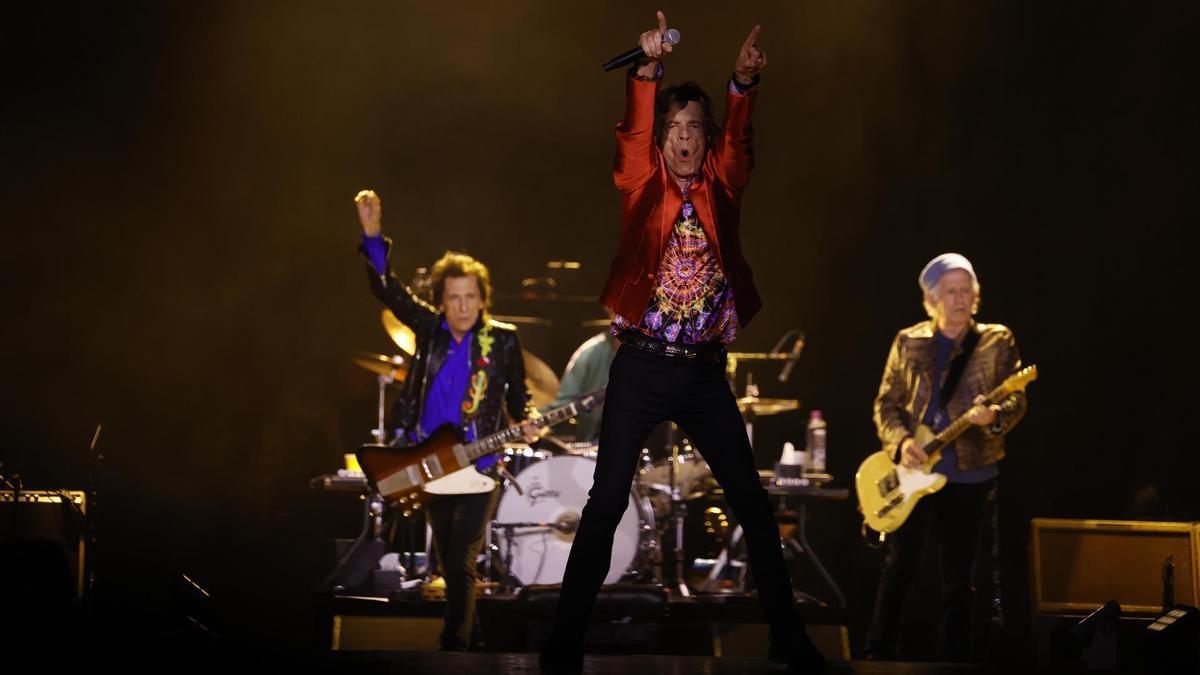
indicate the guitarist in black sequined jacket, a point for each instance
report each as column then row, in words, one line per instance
column 502, row 365
column 468, row 372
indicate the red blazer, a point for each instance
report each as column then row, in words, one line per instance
column 650, row 203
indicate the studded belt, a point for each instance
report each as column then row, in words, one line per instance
column 708, row 352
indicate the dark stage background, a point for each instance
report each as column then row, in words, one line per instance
column 179, row 241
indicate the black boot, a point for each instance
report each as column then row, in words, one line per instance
column 790, row 644
column 561, row 656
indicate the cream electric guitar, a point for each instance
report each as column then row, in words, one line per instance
column 888, row 491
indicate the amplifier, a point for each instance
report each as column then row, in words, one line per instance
column 1079, row 565
column 37, row 525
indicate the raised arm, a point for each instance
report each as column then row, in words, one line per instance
column 408, row 308
column 635, row 161
column 734, row 151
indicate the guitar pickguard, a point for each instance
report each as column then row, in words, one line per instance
column 466, row 481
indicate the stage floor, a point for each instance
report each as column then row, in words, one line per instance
column 500, row 663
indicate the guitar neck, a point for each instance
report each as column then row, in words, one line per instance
column 959, row 425
column 493, row 442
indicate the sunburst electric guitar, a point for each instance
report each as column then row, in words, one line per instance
column 888, row 491
column 402, row 473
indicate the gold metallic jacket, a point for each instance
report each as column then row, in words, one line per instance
column 908, row 381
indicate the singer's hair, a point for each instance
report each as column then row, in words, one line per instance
column 454, row 264
column 674, row 98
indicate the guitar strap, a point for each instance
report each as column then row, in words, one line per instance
column 957, row 366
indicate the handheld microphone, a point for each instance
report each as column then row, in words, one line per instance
column 671, row 37
column 793, row 356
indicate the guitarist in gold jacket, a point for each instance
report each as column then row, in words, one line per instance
column 936, row 372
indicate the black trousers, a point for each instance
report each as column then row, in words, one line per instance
column 459, row 524
column 645, row 389
column 957, row 513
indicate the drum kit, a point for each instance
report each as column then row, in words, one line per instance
column 676, row 511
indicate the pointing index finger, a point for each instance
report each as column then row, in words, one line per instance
column 662, row 21
column 751, row 38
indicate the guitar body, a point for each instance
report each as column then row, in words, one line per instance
column 402, row 473
column 888, row 491
column 444, row 464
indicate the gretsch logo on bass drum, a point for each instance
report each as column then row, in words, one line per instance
column 535, row 492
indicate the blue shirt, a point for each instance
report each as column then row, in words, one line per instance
column 444, row 397
column 938, row 419
column 445, row 394
column 376, row 250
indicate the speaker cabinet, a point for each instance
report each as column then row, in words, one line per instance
column 1079, row 565
column 42, row 541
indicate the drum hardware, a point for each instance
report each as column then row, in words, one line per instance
column 564, row 524
column 524, row 320
column 508, row 477
column 728, row 571
column 794, row 525
column 759, row 407
column 581, row 448
column 537, row 525
column 390, row 370
column 776, row 354
column 380, row 430
column 677, row 510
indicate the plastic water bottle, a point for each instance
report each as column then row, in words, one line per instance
column 816, row 441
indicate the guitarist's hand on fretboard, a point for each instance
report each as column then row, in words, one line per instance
column 982, row 414
column 532, row 431
column 911, row 455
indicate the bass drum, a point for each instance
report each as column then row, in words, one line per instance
column 554, row 492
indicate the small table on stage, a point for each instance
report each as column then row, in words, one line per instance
column 797, row 540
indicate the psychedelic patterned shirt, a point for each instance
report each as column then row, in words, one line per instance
column 692, row 301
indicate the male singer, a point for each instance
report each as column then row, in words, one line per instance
column 680, row 290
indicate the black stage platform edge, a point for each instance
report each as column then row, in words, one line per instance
column 712, row 625
column 733, row 608
column 439, row 663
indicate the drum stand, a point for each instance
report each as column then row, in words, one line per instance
column 678, row 513
column 379, row 433
column 510, row 583
column 727, row 564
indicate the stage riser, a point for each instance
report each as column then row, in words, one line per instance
column 412, row 633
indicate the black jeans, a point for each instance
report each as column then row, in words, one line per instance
column 645, row 389
column 459, row 524
column 957, row 511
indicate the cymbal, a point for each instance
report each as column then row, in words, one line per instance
column 395, row 367
column 766, row 406
column 596, row 323
column 527, row 320
column 539, row 379
column 402, row 335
